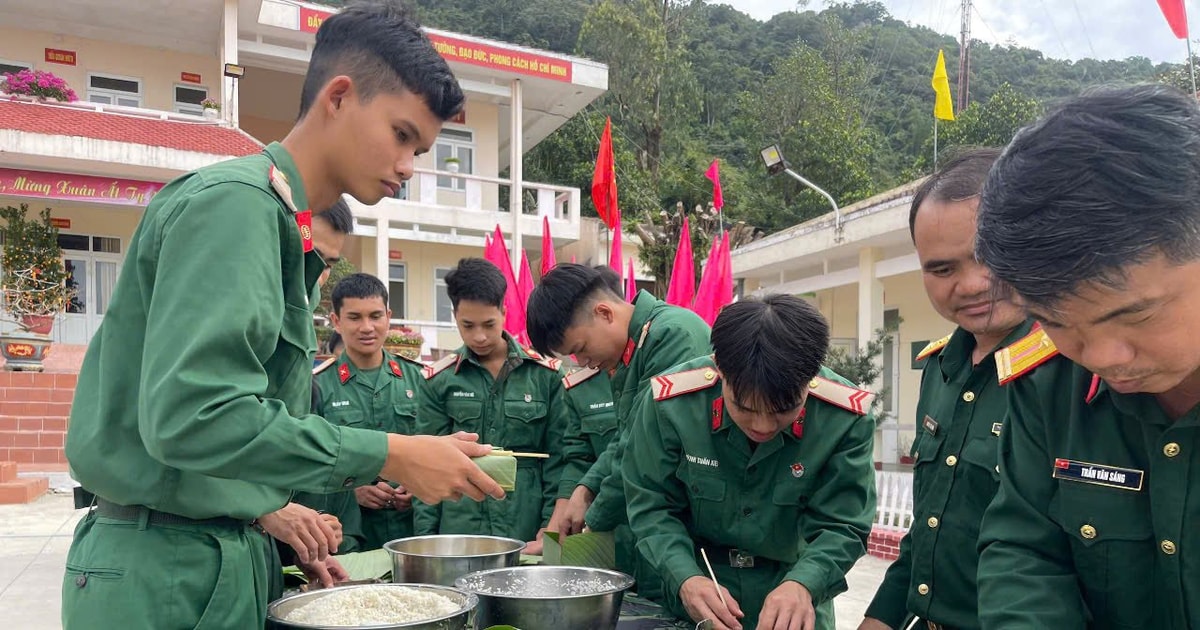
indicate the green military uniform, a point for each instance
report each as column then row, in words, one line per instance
column 383, row 399
column 798, row 507
column 593, row 424
column 190, row 416
column 960, row 415
column 522, row 409
column 1095, row 522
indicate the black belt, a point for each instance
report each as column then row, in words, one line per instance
column 136, row 513
column 737, row 558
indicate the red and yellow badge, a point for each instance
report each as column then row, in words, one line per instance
column 797, row 470
column 344, row 373
column 395, row 367
column 718, row 413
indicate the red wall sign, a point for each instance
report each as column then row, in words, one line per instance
column 71, row 187
column 311, row 19
column 395, row 254
column 190, row 77
column 65, row 57
column 60, row 223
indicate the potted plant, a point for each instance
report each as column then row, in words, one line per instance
column 38, row 84
column 405, row 342
column 33, row 287
column 452, row 164
column 212, row 109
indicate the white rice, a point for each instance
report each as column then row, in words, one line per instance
column 373, row 605
column 544, row 587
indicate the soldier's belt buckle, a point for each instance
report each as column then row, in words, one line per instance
column 739, row 559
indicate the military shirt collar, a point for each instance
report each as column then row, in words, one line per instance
column 643, row 306
column 286, row 165
column 347, row 371
column 516, row 353
column 956, row 356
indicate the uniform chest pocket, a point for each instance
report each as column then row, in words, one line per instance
column 296, row 341
column 703, row 487
column 925, row 447
column 465, row 415
column 524, row 422
column 404, row 418
column 346, row 417
column 982, row 452
column 790, row 493
column 598, row 422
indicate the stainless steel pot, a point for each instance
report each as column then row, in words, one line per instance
column 543, row 597
column 462, row 619
column 443, row 559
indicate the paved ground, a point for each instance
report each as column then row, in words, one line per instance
column 33, row 549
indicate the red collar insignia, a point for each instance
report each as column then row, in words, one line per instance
column 395, row 368
column 718, row 413
column 344, row 373
column 798, row 432
column 628, row 355
column 1094, row 389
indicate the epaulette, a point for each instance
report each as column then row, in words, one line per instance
column 324, row 366
column 844, row 396
column 303, row 218
column 1024, row 354
column 546, row 362
column 437, row 367
column 417, row 362
column 578, row 376
column 933, row 347
column 680, row 383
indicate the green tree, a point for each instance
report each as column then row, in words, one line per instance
column 991, row 124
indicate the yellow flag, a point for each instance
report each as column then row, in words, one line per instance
column 943, row 107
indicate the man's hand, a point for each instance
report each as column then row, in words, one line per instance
column 306, row 531
column 570, row 518
column 534, row 547
column 326, row 573
column 700, row 599
column 336, row 525
column 401, row 499
column 788, row 607
column 374, row 497
column 869, row 623
column 437, row 468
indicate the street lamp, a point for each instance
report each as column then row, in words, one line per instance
column 773, row 159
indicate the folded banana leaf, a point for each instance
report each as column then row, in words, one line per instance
column 363, row 565
column 597, row 550
column 502, row 468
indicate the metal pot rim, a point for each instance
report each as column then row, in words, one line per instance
column 471, row 603
column 626, row 582
column 389, row 546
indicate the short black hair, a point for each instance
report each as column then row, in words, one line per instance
column 1108, row 180
column 339, row 217
column 565, row 292
column 377, row 44
column 335, row 340
column 476, row 280
column 358, row 285
column 959, row 179
column 768, row 349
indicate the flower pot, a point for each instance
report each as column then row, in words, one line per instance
column 211, row 114
column 38, row 324
column 24, row 351
column 452, row 167
column 407, row 351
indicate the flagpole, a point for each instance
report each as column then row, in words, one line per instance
column 935, row 142
column 1191, row 65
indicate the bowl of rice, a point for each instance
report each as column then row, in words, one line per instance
column 532, row 597
column 376, row 606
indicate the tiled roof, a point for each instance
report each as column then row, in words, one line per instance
column 76, row 121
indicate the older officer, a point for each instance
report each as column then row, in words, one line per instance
column 1092, row 215
column 762, row 459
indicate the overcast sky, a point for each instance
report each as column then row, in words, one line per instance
column 1071, row 29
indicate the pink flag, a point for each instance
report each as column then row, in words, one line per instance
column 714, row 173
column 683, row 273
column 548, row 259
column 524, row 288
column 616, row 255
column 706, row 294
column 514, row 306
column 725, row 281
column 1176, row 15
column 630, row 283
column 572, row 259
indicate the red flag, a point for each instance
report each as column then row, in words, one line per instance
column 548, row 259
column 616, row 255
column 604, row 182
column 706, row 295
column 572, row 259
column 1176, row 15
column 683, row 273
column 630, row 283
column 725, row 281
column 714, row 173
column 514, row 306
column 524, row 288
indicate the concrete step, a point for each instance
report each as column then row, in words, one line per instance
column 23, row 490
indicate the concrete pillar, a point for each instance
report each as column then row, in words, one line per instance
column 870, row 296
column 516, row 176
column 229, row 54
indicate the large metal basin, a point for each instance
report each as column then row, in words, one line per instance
column 459, row 620
column 544, row 597
column 443, row 559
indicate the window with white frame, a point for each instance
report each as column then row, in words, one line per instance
column 460, row 145
column 110, row 89
column 188, row 98
column 397, row 285
column 441, row 297
column 12, row 67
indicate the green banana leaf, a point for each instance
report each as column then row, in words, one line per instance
column 502, row 468
column 597, row 550
column 363, row 565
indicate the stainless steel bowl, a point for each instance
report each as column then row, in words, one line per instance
column 537, row 597
column 443, row 559
column 462, row 619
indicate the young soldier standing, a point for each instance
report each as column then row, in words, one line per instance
column 1092, row 215
column 762, row 459
column 184, row 440
column 510, row 395
column 960, row 413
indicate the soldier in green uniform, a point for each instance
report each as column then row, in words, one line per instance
column 1092, row 215
column 370, row 388
column 960, row 413
column 593, row 424
column 510, row 395
column 761, row 460
column 580, row 311
column 190, row 418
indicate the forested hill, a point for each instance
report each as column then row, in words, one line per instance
column 845, row 91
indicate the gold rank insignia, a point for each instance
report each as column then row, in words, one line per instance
column 541, row 360
column 430, row 371
column 324, row 366
column 578, row 376
column 933, row 347
column 672, row 385
column 844, row 396
column 1024, row 354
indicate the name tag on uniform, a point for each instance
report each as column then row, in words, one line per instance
column 930, row 425
column 996, row 426
column 1098, row 474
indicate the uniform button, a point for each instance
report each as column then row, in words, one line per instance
column 1087, row 531
column 81, row 581
column 747, row 511
column 969, row 396
column 951, row 460
column 1167, row 547
column 933, row 522
column 923, row 589
column 1171, row 449
column 348, row 483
